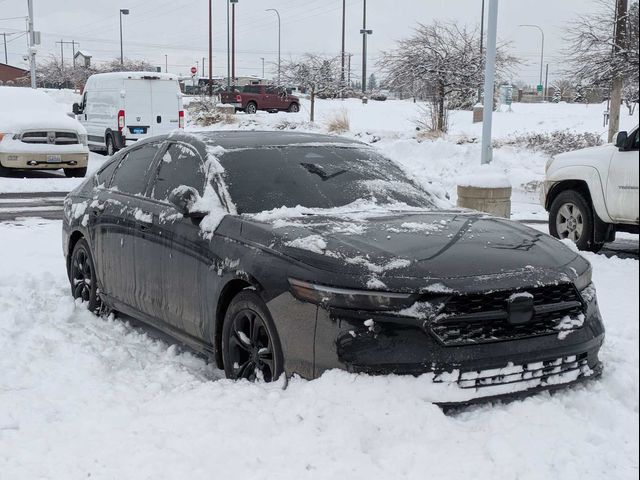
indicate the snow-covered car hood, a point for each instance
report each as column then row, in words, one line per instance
column 49, row 120
column 586, row 156
column 439, row 244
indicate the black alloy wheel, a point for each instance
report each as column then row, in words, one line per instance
column 250, row 344
column 82, row 276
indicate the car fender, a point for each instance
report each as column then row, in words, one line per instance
column 588, row 174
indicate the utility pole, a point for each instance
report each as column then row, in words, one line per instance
column 210, row 49
column 349, row 69
column 166, row 63
column 61, row 42
column 73, row 46
column 32, row 44
column 541, row 54
column 617, row 81
column 344, row 34
column 228, row 48
column 233, row 40
column 364, row 33
column 489, row 79
column 481, row 47
column 279, row 44
column 6, row 57
column 262, row 58
column 546, row 83
column 73, row 49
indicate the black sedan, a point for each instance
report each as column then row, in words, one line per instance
column 286, row 253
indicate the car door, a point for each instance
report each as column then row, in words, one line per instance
column 181, row 256
column 117, row 216
column 622, row 182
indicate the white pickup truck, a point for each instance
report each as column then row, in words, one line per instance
column 591, row 194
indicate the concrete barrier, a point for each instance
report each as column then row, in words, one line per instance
column 494, row 201
column 226, row 109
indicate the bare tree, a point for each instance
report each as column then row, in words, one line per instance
column 316, row 73
column 602, row 50
column 442, row 62
column 563, row 90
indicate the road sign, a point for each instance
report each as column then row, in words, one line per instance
column 194, row 70
column 539, row 88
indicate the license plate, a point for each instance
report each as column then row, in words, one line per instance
column 54, row 159
column 138, row 130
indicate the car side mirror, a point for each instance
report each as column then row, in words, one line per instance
column 76, row 109
column 621, row 140
column 184, row 199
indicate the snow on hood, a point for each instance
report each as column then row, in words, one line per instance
column 28, row 109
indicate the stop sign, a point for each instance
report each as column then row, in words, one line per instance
column 194, row 70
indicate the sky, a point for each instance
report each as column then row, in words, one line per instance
column 174, row 32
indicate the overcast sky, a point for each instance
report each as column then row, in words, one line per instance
column 178, row 29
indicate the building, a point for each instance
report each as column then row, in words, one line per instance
column 9, row 75
column 82, row 59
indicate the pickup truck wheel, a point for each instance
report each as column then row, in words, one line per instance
column 251, row 108
column 571, row 217
column 294, row 108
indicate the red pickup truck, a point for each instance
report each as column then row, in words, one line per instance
column 261, row 97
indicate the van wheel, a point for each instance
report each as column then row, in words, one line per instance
column 75, row 172
column 252, row 108
column 572, row 217
column 111, row 146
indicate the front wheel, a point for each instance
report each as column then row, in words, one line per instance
column 250, row 344
column 571, row 217
column 82, row 276
column 294, row 108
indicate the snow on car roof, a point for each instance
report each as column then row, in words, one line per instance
column 24, row 98
column 136, row 75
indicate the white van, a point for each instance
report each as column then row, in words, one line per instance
column 120, row 108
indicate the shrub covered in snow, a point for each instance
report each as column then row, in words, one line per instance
column 204, row 112
column 553, row 143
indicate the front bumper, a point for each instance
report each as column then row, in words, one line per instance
column 362, row 342
column 42, row 161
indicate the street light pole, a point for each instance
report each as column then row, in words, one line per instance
column 489, row 79
column 228, row 49
column 344, row 34
column 364, row 33
column 32, row 44
column 279, row 44
column 123, row 11
column 233, row 40
column 210, row 88
column 542, row 49
column 262, row 58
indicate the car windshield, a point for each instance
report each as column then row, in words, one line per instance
column 315, row 176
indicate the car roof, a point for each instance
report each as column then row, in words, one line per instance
column 234, row 139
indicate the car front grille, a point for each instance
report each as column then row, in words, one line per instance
column 50, row 138
column 541, row 371
column 483, row 318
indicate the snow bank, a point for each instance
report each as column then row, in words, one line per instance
column 82, row 397
column 485, row 176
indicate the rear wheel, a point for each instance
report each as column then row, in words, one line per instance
column 294, row 108
column 82, row 276
column 111, row 146
column 571, row 217
column 252, row 108
column 75, row 172
column 250, row 344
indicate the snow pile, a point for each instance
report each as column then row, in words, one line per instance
column 313, row 243
column 83, row 397
column 485, row 176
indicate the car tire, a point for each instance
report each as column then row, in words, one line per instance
column 252, row 108
column 571, row 216
column 75, row 172
column 294, row 108
column 251, row 347
column 82, row 276
column 111, row 146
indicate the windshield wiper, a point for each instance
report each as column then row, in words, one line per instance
column 318, row 170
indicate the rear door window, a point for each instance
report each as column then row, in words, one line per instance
column 133, row 173
column 180, row 165
column 106, row 173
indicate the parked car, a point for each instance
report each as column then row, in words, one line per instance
column 36, row 134
column 380, row 95
column 261, row 97
column 121, row 108
column 591, row 194
column 282, row 253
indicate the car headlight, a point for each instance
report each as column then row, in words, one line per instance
column 82, row 138
column 350, row 299
column 584, row 279
column 5, row 134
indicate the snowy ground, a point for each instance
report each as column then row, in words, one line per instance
column 82, row 397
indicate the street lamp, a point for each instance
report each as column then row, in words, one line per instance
column 262, row 58
column 279, row 42
column 542, row 50
column 230, row 69
column 123, row 11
